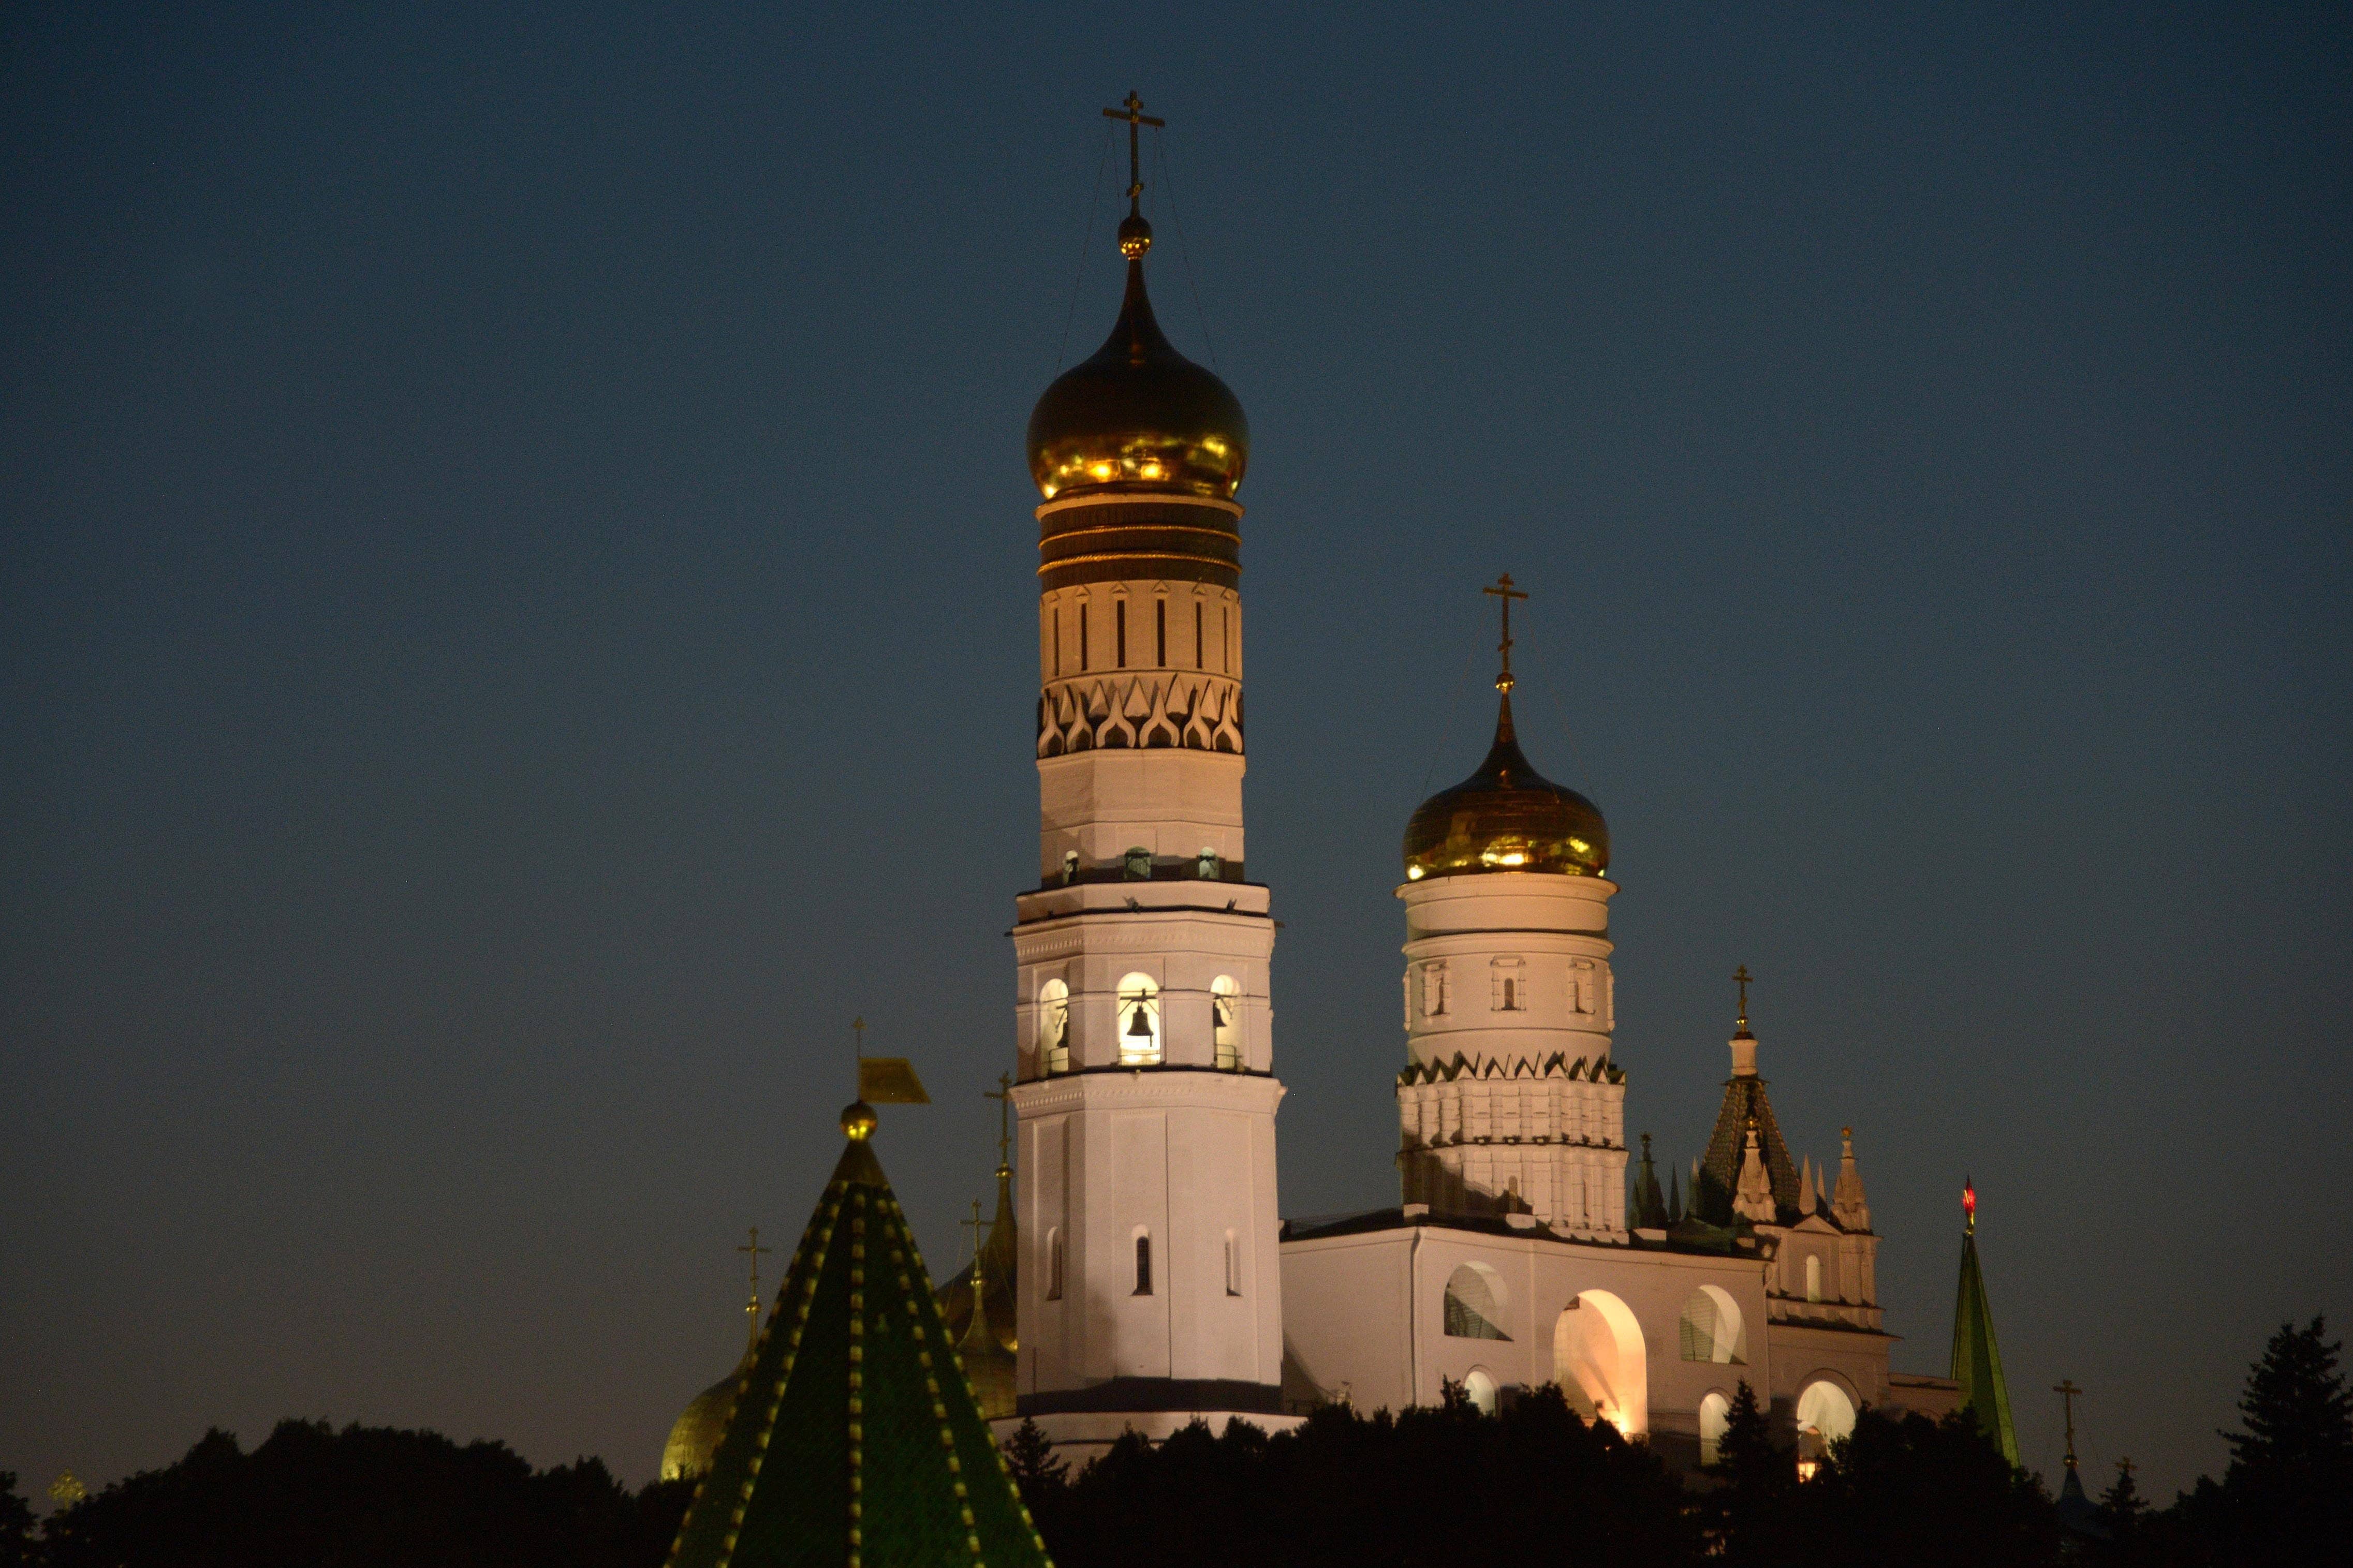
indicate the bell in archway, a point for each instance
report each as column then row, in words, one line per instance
column 1139, row 1028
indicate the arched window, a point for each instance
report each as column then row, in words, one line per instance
column 1225, row 1023
column 1480, row 1389
column 1143, row 1263
column 1054, row 1264
column 1825, row 1415
column 1139, row 1021
column 1600, row 1361
column 1712, row 1330
column 1714, row 1416
column 1507, row 989
column 1233, row 1264
column 1813, row 1276
column 1054, row 1026
column 1433, row 989
column 1475, row 1304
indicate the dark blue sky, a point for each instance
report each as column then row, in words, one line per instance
column 518, row 624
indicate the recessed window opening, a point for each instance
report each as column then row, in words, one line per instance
column 1813, row 1276
column 1143, row 1264
column 1054, row 1026
column 1138, row 1012
column 1511, row 996
column 1082, row 639
column 1197, row 644
column 1058, row 640
column 1160, row 632
column 1225, row 1021
column 1225, row 639
column 1475, row 1304
column 1233, row 1264
column 1119, row 621
column 1054, row 1264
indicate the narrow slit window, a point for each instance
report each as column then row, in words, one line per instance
column 1197, row 644
column 1083, row 639
column 1119, row 617
column 1058, row 640
column 1160, row 633
column 1054, row 1264
column 1226, row 638
column 1233, row 1264
column 1143, row 1266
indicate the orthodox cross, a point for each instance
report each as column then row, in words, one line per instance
column 973, row 1224
column 1134, row 116
column 2125, row 1468
column 755, row 1249
column 2067, row 1391
column 1504, row 591
column 1003, row 1095
column 1742, row 978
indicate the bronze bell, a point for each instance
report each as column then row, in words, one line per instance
column 1139, row 1028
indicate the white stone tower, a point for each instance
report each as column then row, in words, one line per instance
column 1509, row 1102
column 1150, row 1291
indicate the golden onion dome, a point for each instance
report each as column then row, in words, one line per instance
column 695, row 1438
column 1138, row 415
column 1506, row 817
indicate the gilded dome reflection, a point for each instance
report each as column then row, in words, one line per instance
column 1138, row 415
column 1506, row 817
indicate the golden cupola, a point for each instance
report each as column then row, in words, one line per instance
column 1138, row 415
column 1506, row 817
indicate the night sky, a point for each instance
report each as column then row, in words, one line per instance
column 517, row 623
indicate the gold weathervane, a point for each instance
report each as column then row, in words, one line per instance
column 1504, row 590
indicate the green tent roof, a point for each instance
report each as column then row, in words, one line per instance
column 1977, row 1359
column 855, row 1438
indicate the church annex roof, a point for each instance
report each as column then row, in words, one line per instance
column 855, row 1437
column 1744, row 1097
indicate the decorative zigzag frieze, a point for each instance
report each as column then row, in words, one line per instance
column 1167, row 709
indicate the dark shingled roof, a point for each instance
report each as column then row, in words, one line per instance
column 855, row 1437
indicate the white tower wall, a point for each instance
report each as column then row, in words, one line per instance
column 1510, row 1100
column 1161, row 1135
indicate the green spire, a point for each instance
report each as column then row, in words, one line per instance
column 1977, row 1359
column 855, row 1436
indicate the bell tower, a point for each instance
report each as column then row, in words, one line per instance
column 1509, row 1102
column 1150, row 1291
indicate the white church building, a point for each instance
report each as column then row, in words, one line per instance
column 1152, row 1278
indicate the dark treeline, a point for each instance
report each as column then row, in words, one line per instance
column 366, row 1496
column 1533, row 1484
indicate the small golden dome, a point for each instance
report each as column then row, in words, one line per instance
column 1138, row 415
column 858, row 1121
column 1506, row 817
column 695, row 1438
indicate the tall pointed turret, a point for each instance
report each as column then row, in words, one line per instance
column 1848, row 1206
column 1977, row 1359
column 1745, row 1105
column 855, row 1437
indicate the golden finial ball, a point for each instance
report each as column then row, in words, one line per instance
column 858, row 1121
column 1134, row 236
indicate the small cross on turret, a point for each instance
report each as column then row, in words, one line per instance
column 1504, row 590
column 1133, row 112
